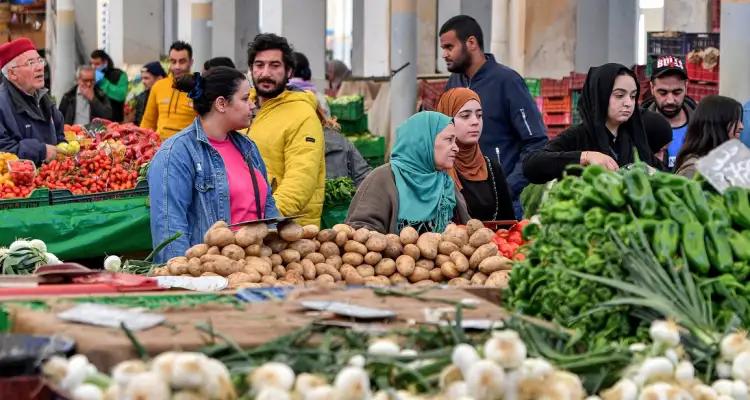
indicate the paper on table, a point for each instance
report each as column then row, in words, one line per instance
column 348, row 310
column 109, row 316
column 198, row 284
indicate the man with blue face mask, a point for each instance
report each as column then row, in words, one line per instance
column 112, row 81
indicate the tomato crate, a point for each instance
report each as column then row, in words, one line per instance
column 666, row 43
column 64, row 196
column 700, row 41
column 534, row 86
column 556, row 104
column 697, row 91
column 577, row 80
column 555, row 87
column 557, row 119
column 350, row 111
column 555, row 131
column 37, row 198
column 696, row 72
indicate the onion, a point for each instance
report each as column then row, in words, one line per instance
column 112, row 264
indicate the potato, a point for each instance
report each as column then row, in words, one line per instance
column 484, row 251
column 428, row 245
column 419, row 274
column 221, row 265
column 346, row 268
column 161, row 271
column 449, row 270
column 276, row 259
column 385, row 267
column 405, row 265
column 441, row 259
column 219, row 224
column 268, row 279
column 468, row 274
column 398, row 279
column 325, row 278
column 494, row 263
column 344, row 228
column 303, row 246
column 336, row 261
column 294, row 267
column 213, row 250
column 468, row 250
column 219, row 236
column 253, row 250
column 436, row 275
column 376, row 242
column 361, row 235
column 341, row 238
column 412, row 251
column 474, row 225
column 251, row 234
column 308, row 270
column 326, row 235
column 195, row 268
column 213, row 274
column 353, row 278
column 317, row 244
column 392, row 237
column 239, row 277
column 310, row 231
column 291, row 232
column 258, row 264
column 280, row 271
column 373, row 258
column 426, row 264
column 377, row 281
column 366, row 270
column 289, row 256
column 459, row 282
column 177, row 260
column 456, row 235
column 233, row 252
column 329, row 249
column 266, row 251
column 498, row 279
column 446, row 248
column 409, row 235
column 354, row 259
column 393, row 248
column 481, row 237
column 277, row 244
column 294, row 277
column 316, row 258
column 197, row 250
column 323, row 269
column 353, row 246
column 478, row 279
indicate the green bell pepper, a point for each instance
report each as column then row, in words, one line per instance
column 717, row 246
column 694, row 246
column 639, row 194
column 738, row 206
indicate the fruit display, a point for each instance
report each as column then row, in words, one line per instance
column 255, row 256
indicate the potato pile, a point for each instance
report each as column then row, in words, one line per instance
column 254, row 256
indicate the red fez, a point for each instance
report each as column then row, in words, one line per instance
column 13, row 49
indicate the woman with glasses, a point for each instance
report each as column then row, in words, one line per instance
column 30, row 124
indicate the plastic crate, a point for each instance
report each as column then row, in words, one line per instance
column 37, row 198
column 354, row 127
column 539, row 103
column 555, row 87
column 350, row 111
column 641, row 72
column 64, row 196
column 715, row 15
column 555, row 131
column 557, row 119
column 696, row 72
column 556, row 104
column 700, row 41
column 577, row 80
column 697, row 91
column 666, row 44
column 645, row 88
column 534, row 86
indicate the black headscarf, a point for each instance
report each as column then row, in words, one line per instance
column 593, row 110
column 658, row 129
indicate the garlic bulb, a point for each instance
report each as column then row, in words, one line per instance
column 19, row 244
column 464, row 356
column 357, row 361
column 272, row 374
column 685, row 372
column 449, row 375
column 147, row 386
column 87, row 391
column 55, row 368
column 484, row 380
column 218, row 380
column 384, row 347
column 734, row 344
column 188, row 372
column 653, row 369
column 163, row 363
column 665, row 332
column 38, row 244
column 352, row 383
column 624, row 389
column 112, row 264
column 535, row 368
column 739, row 390
column 306, row 382
column 324, row 392
column 741, row 367
column 505, row 348
column 723, row 370
column 456, row 390
column 76, row 373
column 272, row 393
column 124, row 372
column 190, row 395
column 703, row 392
column 723, row 387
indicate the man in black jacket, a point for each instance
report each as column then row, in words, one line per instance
column 85, row 101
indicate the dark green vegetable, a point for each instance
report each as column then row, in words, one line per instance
column 694, row 246
column 639, row 194
column 339, row 190
column 738, row 206
column 666, row 240
column 718, row 247
column 696, row 200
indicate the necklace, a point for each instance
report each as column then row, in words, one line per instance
column 494, row 188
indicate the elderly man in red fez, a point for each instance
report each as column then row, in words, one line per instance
column 30, row 124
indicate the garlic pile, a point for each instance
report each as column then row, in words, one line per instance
column 77, row 376
column 661, row 371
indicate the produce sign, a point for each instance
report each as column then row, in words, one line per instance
column 686, row 224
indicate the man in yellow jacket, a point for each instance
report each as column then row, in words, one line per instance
column 168, row 110
column 287, row 131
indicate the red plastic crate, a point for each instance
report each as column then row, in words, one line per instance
column 555, row 131
column 645, row 88
column 640, row 72
column 697, row 91
column 715, row 15
column 555, row 87
column 539, row 103
column 556, row 104
column 696, row 72
column 557, row 119
column 577, row 80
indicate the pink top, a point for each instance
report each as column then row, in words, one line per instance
column 241, row 195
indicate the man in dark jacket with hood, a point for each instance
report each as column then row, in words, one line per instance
column 30, row 124
column 85, row 101
column 513, row 126
column 669, row 87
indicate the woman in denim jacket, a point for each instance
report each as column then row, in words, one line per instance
column 208, row 171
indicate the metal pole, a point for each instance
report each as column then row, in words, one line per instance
column 404, row 60
column 201, row 18
column 499, row 43
column 735, row 60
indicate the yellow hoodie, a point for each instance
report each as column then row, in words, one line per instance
column 168, row 110
column 289, row 136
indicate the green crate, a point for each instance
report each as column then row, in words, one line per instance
column 333, row 215
column 37, row 198
column 354, row 127
column 370, row 146
column 534, row 85
column 64, row 196
column 352, row 110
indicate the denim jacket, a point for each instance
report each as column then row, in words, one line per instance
column 189, row 191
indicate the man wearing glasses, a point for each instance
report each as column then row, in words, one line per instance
column 30, row 124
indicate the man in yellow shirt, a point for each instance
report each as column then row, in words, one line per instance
column 168, row 110
column 287, row 131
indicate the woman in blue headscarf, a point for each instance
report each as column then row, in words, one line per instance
column 414, row 189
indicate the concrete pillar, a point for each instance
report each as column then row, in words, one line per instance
column 499, row 35
column 687, row 15
column 622, row 32
column 517, row 35
column 426, row 34
column 550, row 41
column 144, row 44
column 735, row 40
column 170, row 24
column 63, row 73
column 235, row 24
column 358, row 37
column 370, row 38
column 86, row 29
column 403, row 51
column 201, row 29
column 446, row 10
column 605, row 32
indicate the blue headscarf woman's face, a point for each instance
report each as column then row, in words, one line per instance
column 446, row 148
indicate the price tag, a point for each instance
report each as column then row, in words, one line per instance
column 727, row 165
